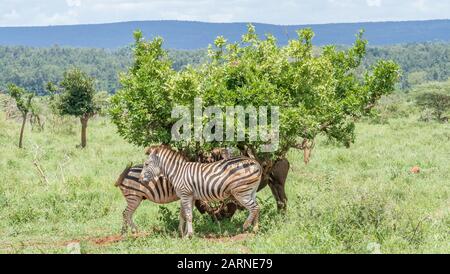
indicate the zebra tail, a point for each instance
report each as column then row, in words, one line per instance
column 123, row 174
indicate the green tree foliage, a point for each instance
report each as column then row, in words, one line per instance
column 183, row 58
column 23, row 101
column 33, row 68
column 419, row 62
column 144, row 104
column 317, row 93
column 101, row 101
column 434, row 99
column 77, row 98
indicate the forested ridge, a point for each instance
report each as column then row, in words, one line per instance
column 32, row 68
column 196, row 35
column 419, row 62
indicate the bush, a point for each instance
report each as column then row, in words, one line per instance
column 316, row 93
column 435, row 104
column 391, row 106
column 434, row 100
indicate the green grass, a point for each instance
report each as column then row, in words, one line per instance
column 344, row 201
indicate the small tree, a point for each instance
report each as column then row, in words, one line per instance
column 77, row 98
column 23, row 100
column 317, row 93
column 437, row 102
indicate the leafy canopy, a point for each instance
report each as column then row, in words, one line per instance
column 77, row 96
column 317, row 92
column 436, row 99
column 22, row 97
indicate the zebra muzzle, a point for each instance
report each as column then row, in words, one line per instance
column 144, row 179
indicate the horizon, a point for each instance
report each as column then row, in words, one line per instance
column 237, row 22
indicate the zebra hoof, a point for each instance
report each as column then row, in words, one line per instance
column 246, row 226
column 255, row 228
column 123, row 232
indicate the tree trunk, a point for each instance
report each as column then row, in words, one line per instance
column 84, row 122
column 24, row 120
column 277, row 180
column 306, row 155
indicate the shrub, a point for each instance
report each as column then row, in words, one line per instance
column 435, row 104
column 317, row 93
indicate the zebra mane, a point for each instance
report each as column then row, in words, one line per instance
column 158, row 149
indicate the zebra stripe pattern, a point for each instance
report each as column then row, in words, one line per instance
column 158, row 190
column 236, row 178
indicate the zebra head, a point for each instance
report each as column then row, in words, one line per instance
column 151, row 169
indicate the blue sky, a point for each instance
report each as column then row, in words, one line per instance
column 285, row 12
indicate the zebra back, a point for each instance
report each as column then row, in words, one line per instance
column 208, row 181
column 160, row 190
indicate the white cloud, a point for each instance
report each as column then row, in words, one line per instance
column 73, row 3
column 420, row 5
column 342, row 3
column 44, row 12
column 374, row 3
column 12, row 15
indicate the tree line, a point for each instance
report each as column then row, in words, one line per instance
column 33, row 68
column 420, row 63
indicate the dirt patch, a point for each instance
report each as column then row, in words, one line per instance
column 115, row 238
column 61, row 244
column 111, row 239
column 107, row 240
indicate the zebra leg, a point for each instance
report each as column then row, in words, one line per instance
column 255, row 221
column 132, row 204
column 186, row 207
column 248, row 200
column 124, row 229
column 181, row 226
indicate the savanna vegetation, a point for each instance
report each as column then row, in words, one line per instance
column 380, row 186
column 361, row 199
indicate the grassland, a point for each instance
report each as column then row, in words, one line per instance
column 358, row 200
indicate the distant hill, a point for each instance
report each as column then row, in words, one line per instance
column 195, row 35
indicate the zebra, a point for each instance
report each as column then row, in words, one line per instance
column 158, row 190
column 236, row 178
